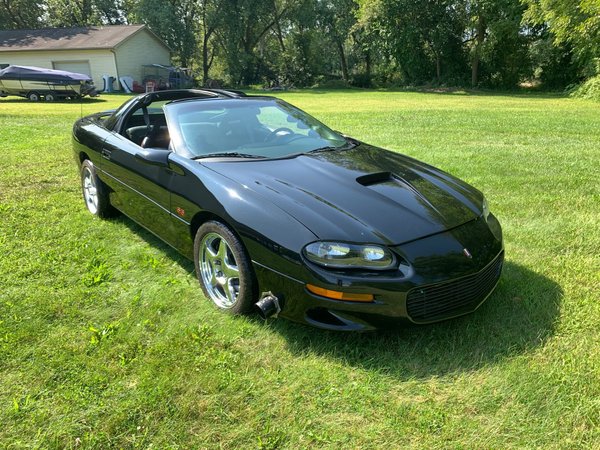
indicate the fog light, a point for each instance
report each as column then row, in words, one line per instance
column 337, row 295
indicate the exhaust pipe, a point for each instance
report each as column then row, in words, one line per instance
column 268, row 306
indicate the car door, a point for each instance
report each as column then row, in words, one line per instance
column 140, row 189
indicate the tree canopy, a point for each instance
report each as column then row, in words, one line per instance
column 492, row 43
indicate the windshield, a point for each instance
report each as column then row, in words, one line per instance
column 266, row 128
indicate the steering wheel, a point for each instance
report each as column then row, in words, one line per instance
column 276, row 133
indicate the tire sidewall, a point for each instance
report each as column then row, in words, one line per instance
column 247, row 293
column 103, row 209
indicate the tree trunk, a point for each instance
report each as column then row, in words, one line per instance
column 343, row 62
column 477, row 52
column 279, row 33
column 205, row 62
column 368, row 66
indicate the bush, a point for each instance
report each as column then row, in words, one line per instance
column 589, row 89
column 323, row 83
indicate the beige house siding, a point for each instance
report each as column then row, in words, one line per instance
column 101, row 61
column 141, row 48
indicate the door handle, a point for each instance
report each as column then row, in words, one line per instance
column 106, row 153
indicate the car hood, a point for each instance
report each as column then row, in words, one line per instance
column 365, row 194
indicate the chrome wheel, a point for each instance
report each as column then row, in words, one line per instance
column 90, row 190
column 219, row 270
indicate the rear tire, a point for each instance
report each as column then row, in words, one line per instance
column 49, row 97
column 33, row 97
column 224, row 269
column 95, row 193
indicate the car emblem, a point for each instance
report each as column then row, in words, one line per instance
column 467, row 253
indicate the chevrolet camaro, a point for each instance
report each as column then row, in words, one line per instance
column 288, row 217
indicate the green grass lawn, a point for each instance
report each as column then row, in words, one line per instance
column 107, row 341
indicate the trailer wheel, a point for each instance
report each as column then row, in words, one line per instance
column 49, row 97
column 33, row 96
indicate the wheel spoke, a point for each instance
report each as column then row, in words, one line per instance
column 222, row 253
column 230, row 271
column 230, row 292
column 219, row 270
column 212, row 254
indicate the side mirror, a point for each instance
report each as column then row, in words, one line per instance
column 154, row 156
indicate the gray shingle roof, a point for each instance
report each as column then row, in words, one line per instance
column 102, row 37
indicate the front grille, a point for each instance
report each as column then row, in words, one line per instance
column 452, row 298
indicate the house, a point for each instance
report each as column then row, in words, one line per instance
column 114, row 50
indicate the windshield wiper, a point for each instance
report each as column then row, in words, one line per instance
column 324, row 149
column 228, row 154
column 329, row 148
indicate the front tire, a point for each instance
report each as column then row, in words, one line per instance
column 224, row 269
column 95, row 194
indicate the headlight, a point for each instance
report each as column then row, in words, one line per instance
column 342, row 255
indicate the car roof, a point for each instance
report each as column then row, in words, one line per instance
column 191, row 94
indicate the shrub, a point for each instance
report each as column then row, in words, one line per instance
column 589, row 89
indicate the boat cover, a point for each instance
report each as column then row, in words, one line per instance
column 36, row 73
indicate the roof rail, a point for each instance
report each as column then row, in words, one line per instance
column 233, row 93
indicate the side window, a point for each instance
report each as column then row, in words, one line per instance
column 148, row 131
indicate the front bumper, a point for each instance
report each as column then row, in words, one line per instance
column 441, row 281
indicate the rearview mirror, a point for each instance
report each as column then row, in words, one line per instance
column 154, row 156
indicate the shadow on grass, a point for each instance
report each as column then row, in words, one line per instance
column 455, row 92
column 154, row 241
column 518, row 317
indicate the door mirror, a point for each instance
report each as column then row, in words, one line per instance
column 154, row 156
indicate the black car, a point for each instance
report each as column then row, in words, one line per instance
column 283, row 215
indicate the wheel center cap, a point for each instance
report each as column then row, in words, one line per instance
column 221, row 278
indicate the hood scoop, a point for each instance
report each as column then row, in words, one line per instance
column 398, row 190
column 375, row 178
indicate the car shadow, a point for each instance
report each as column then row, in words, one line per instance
column 517, row 318
column 154, row 241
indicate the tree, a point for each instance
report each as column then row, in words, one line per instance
column 15, row 14
column 210, row 19
column 175, row 21
column 575, row 23
column 422, row 38
column 82, row 13
column 244, row 26
column 336, row 18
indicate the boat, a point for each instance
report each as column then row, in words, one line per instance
column 37, row 83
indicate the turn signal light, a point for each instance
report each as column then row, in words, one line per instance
column 337, row 295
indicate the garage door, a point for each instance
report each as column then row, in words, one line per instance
column 73, row 66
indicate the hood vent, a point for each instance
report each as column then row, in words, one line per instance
column 375, row 178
